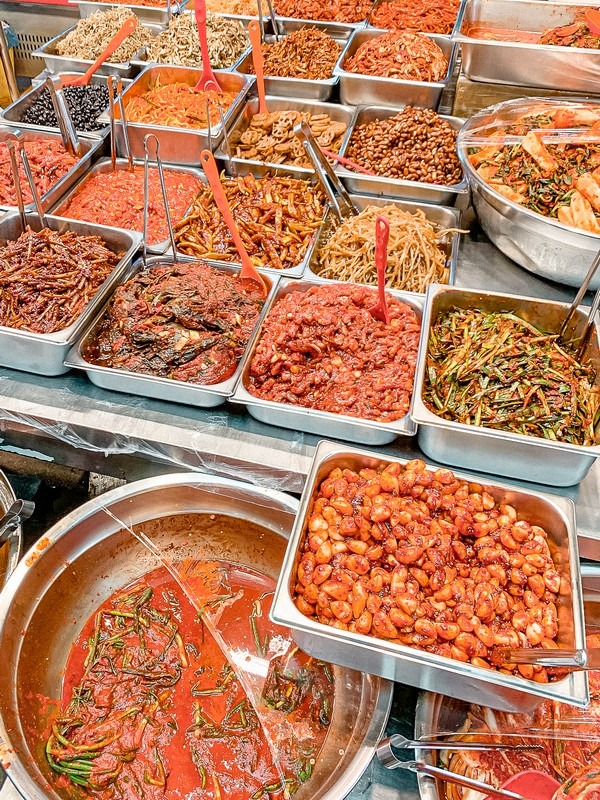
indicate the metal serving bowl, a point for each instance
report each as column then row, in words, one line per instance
column 11, row 550
column 88, row 555
column 541, row 245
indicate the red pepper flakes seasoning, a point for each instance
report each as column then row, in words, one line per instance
column 117, row 198
column 405, row 56
column 322, row 349
column 49, row 161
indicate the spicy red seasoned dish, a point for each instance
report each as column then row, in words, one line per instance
column 155, row 706
column 49, row 161
column 424, row 559
column 322, row 349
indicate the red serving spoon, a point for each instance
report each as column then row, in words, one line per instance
column 259, row 64
column 212, row 173
column 380, row 311
column 208, row 80
column 532, row 783
column 592, row 17
column 127, row 28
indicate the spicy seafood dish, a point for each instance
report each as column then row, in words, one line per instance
column 162, row 698
column 583, row 31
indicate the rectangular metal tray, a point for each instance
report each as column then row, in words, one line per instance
column 420, row 668
column 552, row 67
column 105, row 165
column 439, row 216
column 43, row 354
column 308, row 420
column 259, row 170
column 357, row 89
column 339, row 30
column 444, row 35
column 436, row 712
column 143, row 13
column 337, row 113
column 16, row 109
column 300, row 88
column 120, row 380
column 390, row 187
column 179, row 145
column 56, row 63
column 91, row 145
column 512, row 455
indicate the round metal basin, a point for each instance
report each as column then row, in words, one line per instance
column 88, row 555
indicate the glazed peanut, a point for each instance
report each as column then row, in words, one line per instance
column 425, row 560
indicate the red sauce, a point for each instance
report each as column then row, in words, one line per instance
column 153, row 709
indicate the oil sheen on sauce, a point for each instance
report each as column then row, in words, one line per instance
column 153, row 709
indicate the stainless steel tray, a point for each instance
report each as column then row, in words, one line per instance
column 438, row 215
column 444, row 35
column 337, row 113
column 300, row 88
column 356, row 89
column 91, row 147
column 179, row 145
column 43, row 354
column 390, row 187
column 339, row 30
column 260, row 170
column 105, row 165
column 434, row 711
column 56, row 63
column 145, row 14
column 419, row 668
column 121, row 380
column 16, row 109
column 308, row 420
column 512, row 455
column 573, row 69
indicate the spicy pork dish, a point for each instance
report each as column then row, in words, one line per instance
column 548, row 161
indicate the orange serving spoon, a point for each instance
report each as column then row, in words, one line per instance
column 380, row 311
column 531, row 783
column 259, row 65
column 208, row 80
column 127, row 28
column 212, row 173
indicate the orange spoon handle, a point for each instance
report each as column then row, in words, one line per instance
column 208, row 81
column 212, row 173
column 382, row 235
column 127, row 28
column 259, row 65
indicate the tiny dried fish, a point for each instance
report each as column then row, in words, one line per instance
column 179, row 44
column 91, row 36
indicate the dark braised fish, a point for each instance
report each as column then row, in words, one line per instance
column 188, row 322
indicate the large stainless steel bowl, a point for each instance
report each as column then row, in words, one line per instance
column 541, row 245
column 88, row 555
column 11, row 550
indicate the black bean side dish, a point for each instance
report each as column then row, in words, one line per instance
column 85, row 104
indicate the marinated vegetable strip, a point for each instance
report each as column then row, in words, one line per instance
column 117, row 198
column 423, row 559
column 497, row 371
column 405, row 56
column 574, row 34
column 177, row 105
column 277, row 219
column 91, row 36
column 425, row 16
column 322, row 349
column 49, row 162
column 188, row 322
column 308, row 53
column 48, row 278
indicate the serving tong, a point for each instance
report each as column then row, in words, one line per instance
column 115, row 94
column 14, row 140
column 589, row 326
column 19, row 511
column 71, row 140
column 163, row 188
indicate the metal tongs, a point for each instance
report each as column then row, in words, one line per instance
column 589, row 326
column 20, row 510
column 13, row 139
column 115, row 94
column 335, row 190
column 163, row 188
column 390, row 761
column 65, row 123
column 584, row 658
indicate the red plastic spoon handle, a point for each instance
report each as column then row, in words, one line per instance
column 127, row 28
column 382, row 235
column 259, row 64
column 212, row 173
column 208, row 81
